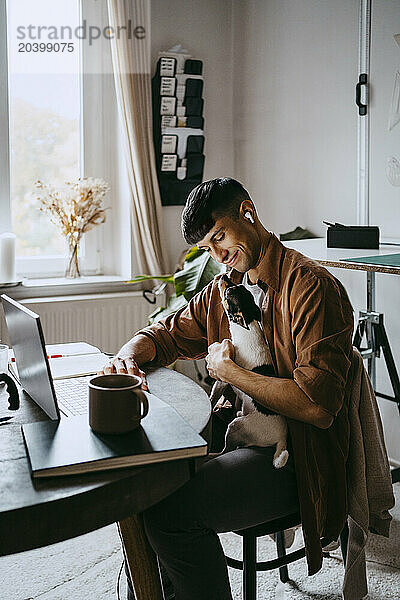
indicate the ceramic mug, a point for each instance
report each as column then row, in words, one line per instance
column 116, row 403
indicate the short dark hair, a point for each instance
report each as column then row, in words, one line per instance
column 209, row 201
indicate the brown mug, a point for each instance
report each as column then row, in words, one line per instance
column 116, row 403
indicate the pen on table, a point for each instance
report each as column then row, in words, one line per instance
column 48, row 356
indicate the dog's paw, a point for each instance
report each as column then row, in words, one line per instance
column 281, row 460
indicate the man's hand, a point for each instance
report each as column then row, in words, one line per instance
column 137, row 351
column 125, row 365
column 220, row 359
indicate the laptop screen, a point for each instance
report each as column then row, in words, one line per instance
column 27, row 341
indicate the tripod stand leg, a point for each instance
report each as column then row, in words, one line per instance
column 383, row 341
column 370, row 338
column 358, row 335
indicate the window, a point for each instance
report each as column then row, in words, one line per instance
column 61, row 112
column 44, row 109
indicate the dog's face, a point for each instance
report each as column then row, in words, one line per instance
column 238, row 303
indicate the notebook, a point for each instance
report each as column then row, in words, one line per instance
column 70, row 447
column 70, row 366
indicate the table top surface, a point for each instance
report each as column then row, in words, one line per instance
column 49, row 510
column 333, row 257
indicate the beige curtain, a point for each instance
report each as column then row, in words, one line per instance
column 132, row 75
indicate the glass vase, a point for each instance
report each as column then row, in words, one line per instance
column 72, row 271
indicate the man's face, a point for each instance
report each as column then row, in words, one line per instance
column 233, row 243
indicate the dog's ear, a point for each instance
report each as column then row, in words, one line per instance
column 223, row 284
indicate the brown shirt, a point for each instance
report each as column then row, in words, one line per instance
column 308, row 322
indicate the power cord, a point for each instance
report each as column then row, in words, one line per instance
column 119, row 580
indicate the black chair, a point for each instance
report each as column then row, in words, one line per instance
column 250, row 565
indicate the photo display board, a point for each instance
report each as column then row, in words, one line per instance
column 178, row 126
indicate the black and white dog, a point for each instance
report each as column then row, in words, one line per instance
column 254, row 425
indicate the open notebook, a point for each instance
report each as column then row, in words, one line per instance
column 74, row 359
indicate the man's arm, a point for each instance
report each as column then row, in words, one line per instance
column 278, row 394
column 183, row 334
column 134, row 354
column 141, row 347
column 321, row 328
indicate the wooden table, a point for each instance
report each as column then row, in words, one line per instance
column 41, row 512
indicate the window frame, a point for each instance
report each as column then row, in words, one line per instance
column 98, row 142
column 5, row 204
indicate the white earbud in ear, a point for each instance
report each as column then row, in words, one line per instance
column 249, row 217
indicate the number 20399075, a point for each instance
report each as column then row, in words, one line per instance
column 46, row 47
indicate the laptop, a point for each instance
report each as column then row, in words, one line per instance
column 63, row 446
column 67, row 397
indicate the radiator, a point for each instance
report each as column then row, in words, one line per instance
column 105, row 320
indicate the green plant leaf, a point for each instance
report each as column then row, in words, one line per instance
column 198, row 270
column 152, row 316
column 167, row 278
column 193, row 253
column 196, row 274
column 174, row 304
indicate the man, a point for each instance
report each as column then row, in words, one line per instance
column 308, row 323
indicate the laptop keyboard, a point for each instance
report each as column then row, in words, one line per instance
column 73, row 394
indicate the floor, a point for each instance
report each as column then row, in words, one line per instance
column 87, row 567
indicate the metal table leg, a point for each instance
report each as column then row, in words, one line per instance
column 369, row 331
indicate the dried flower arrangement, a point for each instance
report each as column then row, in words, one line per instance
column 75, row 209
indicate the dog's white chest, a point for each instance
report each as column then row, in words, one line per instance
column 251, row 349
column 251, row 427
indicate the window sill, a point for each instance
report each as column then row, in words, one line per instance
column 61, row 286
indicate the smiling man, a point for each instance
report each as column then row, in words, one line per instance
column 308, row 322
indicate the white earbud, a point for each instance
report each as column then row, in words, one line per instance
column 249, row 217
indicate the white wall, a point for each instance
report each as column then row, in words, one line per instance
column 295, row 120
column 204, row 28
column 385, row 61
column 385, row 198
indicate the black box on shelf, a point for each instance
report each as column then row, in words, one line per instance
column 352, row 236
